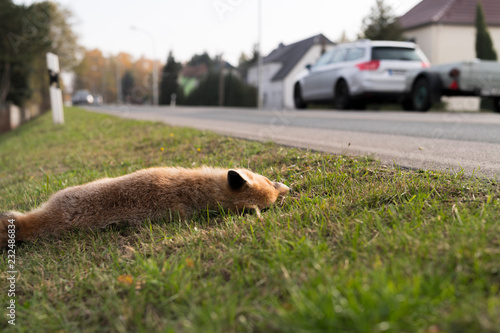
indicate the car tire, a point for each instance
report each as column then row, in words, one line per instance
column 421, row 95
column 343, row 99
column 359, row 105
column 297, row 98
column 496, row 104
column 407, row 104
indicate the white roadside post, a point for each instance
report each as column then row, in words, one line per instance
column 56, row 100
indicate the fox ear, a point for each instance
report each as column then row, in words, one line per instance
column 235, row 180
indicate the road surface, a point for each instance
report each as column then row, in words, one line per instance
column 435, row 141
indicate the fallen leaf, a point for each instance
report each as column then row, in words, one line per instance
column 189, row 262
column 125, row 279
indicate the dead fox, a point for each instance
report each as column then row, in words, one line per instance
column 145, row 194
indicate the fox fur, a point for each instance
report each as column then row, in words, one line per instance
column 145, row 194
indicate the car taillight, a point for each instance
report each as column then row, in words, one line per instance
column 369, row 66
column 454, row 74
column 426, row 65
column 453, row 85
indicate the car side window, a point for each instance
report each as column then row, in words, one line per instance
column 324, row 59
column 339, row 56
column 355, row 53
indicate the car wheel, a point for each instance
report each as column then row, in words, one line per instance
column 297, row 98
column 496, row 104
column 421, row 95
column 342, row 96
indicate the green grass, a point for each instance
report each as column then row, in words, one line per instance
column 358, row 246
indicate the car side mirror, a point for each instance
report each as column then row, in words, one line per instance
column 308, row 67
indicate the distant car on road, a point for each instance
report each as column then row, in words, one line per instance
column 467, row 78
column 355, row 73
column 82, row 97
column 98, row 100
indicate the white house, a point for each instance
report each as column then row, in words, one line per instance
column 281, row 67
column 445, row 29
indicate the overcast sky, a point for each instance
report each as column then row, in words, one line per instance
column 217, row 26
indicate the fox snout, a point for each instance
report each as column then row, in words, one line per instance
column 282, row 188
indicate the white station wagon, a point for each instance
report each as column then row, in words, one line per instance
column 354, row 74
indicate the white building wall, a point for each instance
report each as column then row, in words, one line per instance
column 450, row 43
column 272, row 90
column 424, row 37
column 268, row 71
column 495, row 36
column 273, row 95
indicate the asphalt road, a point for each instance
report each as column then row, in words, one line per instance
column 436, row 141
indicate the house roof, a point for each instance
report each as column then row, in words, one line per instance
column 197, row 71
column 227, row 65
column 450, row 12
column 289, row 55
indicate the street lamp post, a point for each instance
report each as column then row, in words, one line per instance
column 155, row 64
column 260, row 93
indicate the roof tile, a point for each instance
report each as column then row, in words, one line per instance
column 450, row 12
column 289, row 55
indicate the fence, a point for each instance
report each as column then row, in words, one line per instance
column 12, row 116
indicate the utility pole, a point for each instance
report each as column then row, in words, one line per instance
column 155, row 64
column 155, row 80
column 260, row 94
column 103, row 80
column 221, row 81
column 119, row 98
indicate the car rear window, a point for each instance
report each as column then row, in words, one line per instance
column 395, row 53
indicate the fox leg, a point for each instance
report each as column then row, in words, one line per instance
column 257, row 211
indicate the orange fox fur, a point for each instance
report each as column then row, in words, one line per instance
column 145, row 194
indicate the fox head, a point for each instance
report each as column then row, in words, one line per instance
column 251, row 190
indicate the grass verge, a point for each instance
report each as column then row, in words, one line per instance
column 358, row 247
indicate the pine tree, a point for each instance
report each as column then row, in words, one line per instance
column 382, row 24
column 245, row 62
column 169, row 85
column 484, row 48
column 199, row 59
column 236, row 92
column 484, row 44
